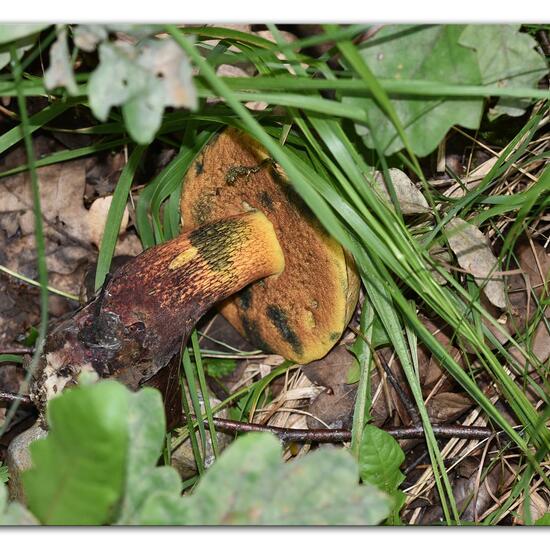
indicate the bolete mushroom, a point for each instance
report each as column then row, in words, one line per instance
column 243, row 224
column 302, row 313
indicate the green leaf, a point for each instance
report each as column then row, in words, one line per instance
column 60, row 72
column 250, row 485
column 9, row 33
column 78, row 470
column 506, row 58
column 219, row 367
column 380, row 457
column 4, row 476
column 143, row 80
column 13, row 513
column 120, row 79
column 415, row 52
column 146, row 427
column 544, row 520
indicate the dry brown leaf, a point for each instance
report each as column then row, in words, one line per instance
column 97, row 218
column 61, row 195
column 474, row 255
column 439, row 256
column 236, row 71
column 72, row 234
column 334, row 406
column 471, row 181
column 333, row 410
column 534, row 263
column 332, row 370
column 410, row 198
column 538, row 506
column 287, row 37
column 446, row 407
column 470, row 503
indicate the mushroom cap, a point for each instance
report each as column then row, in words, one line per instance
column 301, row 313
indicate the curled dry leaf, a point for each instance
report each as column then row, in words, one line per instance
column 410, row 198
column 439, row 255
column 61, row 194
column 476, row 257
column 538, row 507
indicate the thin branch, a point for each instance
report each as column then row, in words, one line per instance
column 316, row 436
column 338, row 436
column 10, row 397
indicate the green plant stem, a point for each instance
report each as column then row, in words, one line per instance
column 32, row 282
column 38, row 234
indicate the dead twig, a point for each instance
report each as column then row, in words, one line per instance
column 316, row 435
column 339, row 436
column 10, row 397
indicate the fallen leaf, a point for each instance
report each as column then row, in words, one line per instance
column 471, row 505
column 474, row 255
column 287, row 37
column 446, row 407
column 72, row 234
column 333, row 410
column 331, row 370
column 97, row 218
column 471, row 181
column 237, row 71
column 538, row 507
column 534, row 262
column 439, row 256
column 61, row 195
column 410, row 198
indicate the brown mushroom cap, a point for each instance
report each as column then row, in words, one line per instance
column 301, row 313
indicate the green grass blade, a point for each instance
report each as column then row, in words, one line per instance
column 114, row 217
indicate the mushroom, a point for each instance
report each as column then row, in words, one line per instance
column 302, row 313
column 244, row 230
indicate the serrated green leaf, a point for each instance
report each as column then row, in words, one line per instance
column 78, row 470
column 506, row 58
column 419, row 52
column 380, row 457
column 250, row 485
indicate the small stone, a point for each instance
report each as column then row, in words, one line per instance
column 18, row 459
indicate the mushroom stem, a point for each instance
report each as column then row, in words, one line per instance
column 147, row 309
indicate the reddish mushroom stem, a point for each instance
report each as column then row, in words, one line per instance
column 150, row 305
